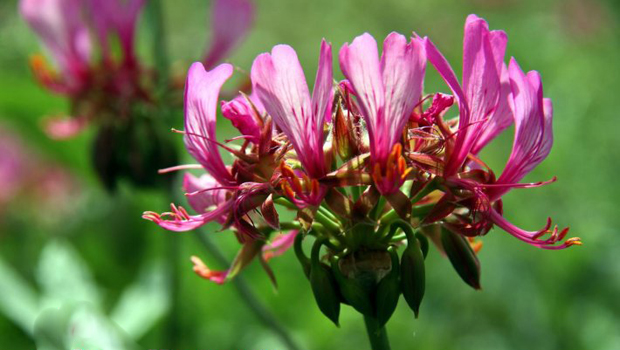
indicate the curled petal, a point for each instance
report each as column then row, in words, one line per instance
column 201, row 93
column 201, row 269
column 179, row 220
column 242, row 115
column 231, row 20
column 204, row 193
column 279, row 245
column 533, row 126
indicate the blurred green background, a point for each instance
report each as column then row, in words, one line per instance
column 79, row 240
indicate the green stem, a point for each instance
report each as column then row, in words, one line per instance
column 248, row 296
column 376, row 334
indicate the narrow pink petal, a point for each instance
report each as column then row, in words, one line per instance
column 179, row 221
column 544, row 238
column 202, row 89
column 231, row 21
column 280, row 83
column 359, row 62
column 209, row 196
column 323, row 92
column 533, row 126
column 402, row 65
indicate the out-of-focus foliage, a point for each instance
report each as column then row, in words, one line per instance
column 529, row 298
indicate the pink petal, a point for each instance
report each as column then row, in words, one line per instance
column 402, row 65
column 202, row 89
column 240, row 113
column 179, row 221
column 231, row 21
column 280, row 83
column 360, row 65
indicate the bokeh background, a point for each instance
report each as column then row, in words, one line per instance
column 64, row 239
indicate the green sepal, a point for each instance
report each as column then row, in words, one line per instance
column 462, row 257
column 388, row 291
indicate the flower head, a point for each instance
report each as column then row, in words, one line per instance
column 365, row 165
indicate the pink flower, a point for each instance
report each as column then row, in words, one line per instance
column 483, row 97
column 279, row 82
column 387, row 91
column 60, row 25
column 231, row 21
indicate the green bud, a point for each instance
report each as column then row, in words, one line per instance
column 412, row 273
column 462, row 257
column 388, row 291
column 353, row 292
column 324, row 286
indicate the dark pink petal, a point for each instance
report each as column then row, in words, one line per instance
column 402, row 65
column 231, row 20
column 202, row 89
column 279, row 81
column 204, row 193
column 533, row 126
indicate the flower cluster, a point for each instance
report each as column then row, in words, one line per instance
column 367, row 164
column 92, row 46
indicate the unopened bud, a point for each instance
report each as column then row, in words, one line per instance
column 412, row 271
column 462, row 257
column 324, row 286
